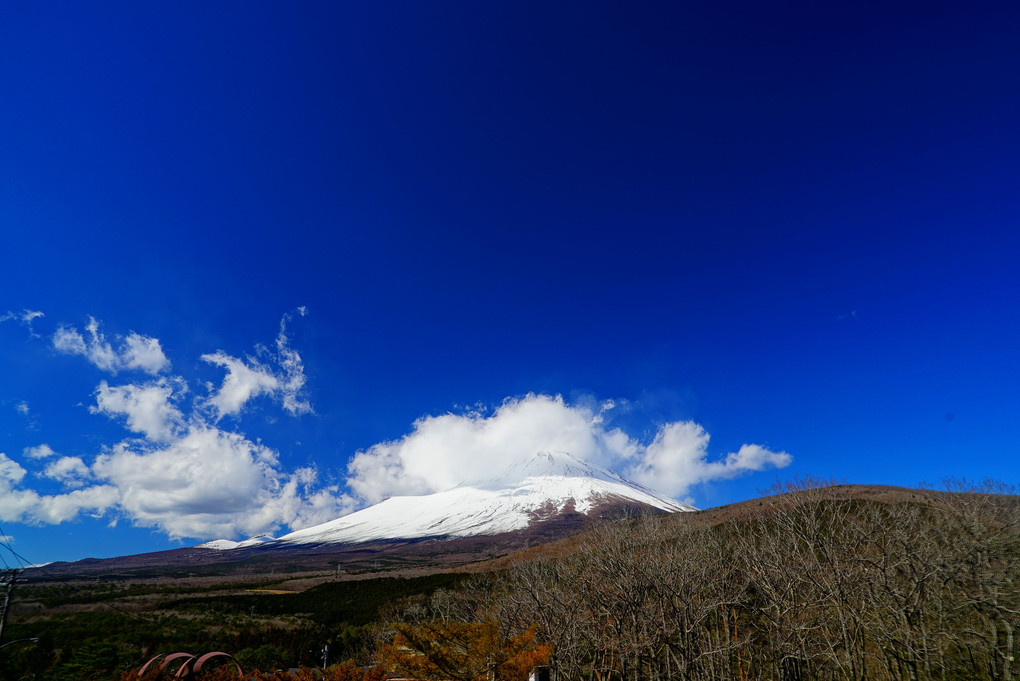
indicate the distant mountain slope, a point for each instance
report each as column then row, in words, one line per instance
column 524, row 495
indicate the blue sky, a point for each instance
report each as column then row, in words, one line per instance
column 293, row 259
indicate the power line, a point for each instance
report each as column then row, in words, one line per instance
column 4, row 542
column 8, row 579
column 28, row 564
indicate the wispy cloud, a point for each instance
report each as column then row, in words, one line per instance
column 25, row 317
column 278, row 374
column 245, row 379
column 134, row 351
column 292, row 380
column 26, row 413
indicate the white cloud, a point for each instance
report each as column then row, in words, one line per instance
column 209, row 482
column 180, row 474
column 136, row 351
column 443, row 451
column 282, row 377
column 293, row 379
column 10, row 470
column 26, row 317
column 205, row 483
column 27, row 506
column 39, row 451
column 143, row 353
column 70, row 470
column 23, row 409
column 677, row 459
column 242, row 382
column 148, row 407
column 58, row 508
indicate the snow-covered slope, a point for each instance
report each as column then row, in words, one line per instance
column 525, row 493
column 224, row 544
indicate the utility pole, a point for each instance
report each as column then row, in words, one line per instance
column 7, row 580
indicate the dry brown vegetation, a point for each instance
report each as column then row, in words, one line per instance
column 816, row 581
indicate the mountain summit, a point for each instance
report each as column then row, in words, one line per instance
column 544, row 488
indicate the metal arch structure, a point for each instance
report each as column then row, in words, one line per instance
column 197, row 667
column 191, row 665
column 34, row 639
column 187, row 657
column 146, row 666
column 167, row 659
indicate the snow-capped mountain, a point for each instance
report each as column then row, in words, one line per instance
column 224, row 544
column 542, row 488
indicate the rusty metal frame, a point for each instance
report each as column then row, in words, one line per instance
column 191, row 665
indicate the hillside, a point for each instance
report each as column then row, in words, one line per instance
column 753, row 583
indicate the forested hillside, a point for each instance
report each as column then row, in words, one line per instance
column 816, row 583
column 97, row 630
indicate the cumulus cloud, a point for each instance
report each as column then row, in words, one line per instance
column 208, row 482
column 148, row 408
column 443, row 451
column 678, row 458
column 143, row 353
column 10, row 470
column 134, row 352
column 28, row 506
column 70, row 470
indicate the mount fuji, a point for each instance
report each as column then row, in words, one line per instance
column 550, row 486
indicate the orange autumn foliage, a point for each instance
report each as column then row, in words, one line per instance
column 346, row 671
column 463, row 651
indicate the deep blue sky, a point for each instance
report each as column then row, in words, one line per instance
column 795, row 226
